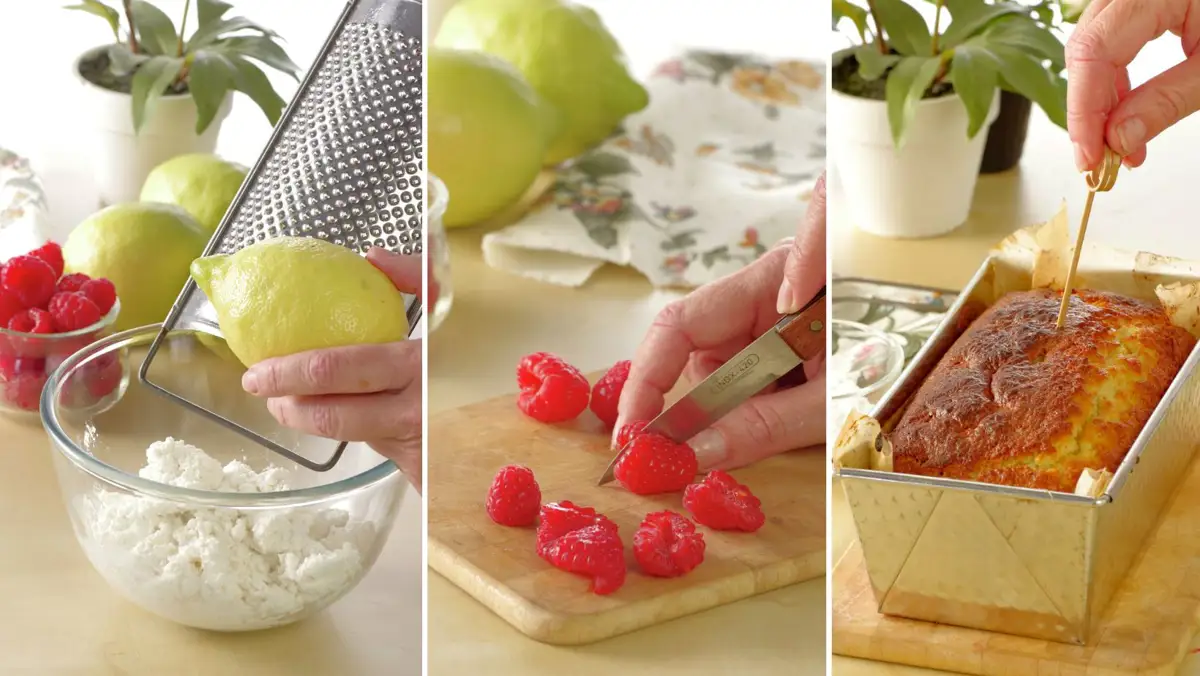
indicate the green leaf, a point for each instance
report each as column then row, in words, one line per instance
column 844, row 9
column 262, row 49
column 871, row 64
column 906, row 29
column 207, row 35
column 1027, row 76
column 209, row 81
column 906, row 85
column 155, row 31
column 974, row 73
column 97, row 8
column 122, row 61
column 970, row 17
column 208, row 11
column 251, row 81
column 148, row 85
column 1023, row 34
column 1073, row 9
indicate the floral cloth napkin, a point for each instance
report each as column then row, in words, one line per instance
column 23, row 210
column 717, row 168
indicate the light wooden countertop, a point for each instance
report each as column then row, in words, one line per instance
column 1151, row 209
column 60, row 618
column 496, row 319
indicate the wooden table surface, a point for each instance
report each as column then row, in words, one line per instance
column 781, row 632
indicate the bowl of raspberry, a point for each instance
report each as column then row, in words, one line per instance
column 47, row 315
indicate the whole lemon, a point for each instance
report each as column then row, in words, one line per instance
column 204, row 185
column 488, row 132
column 565, row 53
column 144, row 249
column 293, row 294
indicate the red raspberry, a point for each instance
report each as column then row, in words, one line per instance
column 629, row 431
column 30, row 279
column 514, row 498
column 655, row 464
column 9, row 306
column 721, row 503
column 50, row 254
column 11, row 367
column 607, row 393
column 584, row 543
column 104, row 375
column 72, row 282
column 101, row 292
column 33, row 320
column 667, row 545
column 25, row 390
column 552, row 390
column 73, row 311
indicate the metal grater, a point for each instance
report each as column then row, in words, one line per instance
column 343, row 165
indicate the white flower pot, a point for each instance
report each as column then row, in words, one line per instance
column 121, row 159
column 922, row 190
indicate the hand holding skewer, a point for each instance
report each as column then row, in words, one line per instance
column 1100, row 179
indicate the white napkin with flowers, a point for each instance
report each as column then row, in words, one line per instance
column 718, row 167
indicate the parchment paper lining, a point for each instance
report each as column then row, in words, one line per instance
column 1039, row 257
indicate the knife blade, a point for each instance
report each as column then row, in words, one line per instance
column 795, row 339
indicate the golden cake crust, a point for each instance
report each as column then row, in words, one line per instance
column 1016, row 402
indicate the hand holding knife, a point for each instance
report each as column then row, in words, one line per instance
column 795, row 339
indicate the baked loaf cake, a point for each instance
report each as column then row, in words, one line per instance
column 1016, row 402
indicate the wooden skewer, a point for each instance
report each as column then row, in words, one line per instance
column 1100, row 179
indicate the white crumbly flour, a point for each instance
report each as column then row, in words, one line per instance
column 221, row 569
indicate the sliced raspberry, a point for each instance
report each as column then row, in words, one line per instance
column 24, row 391
column 578, row 540
column 33, row 320
column 50, row 254
column 73, row 311
column 667, row 545
column 101, row 292
column 721, row 503
column 9, row 306
column 72, row 282
column 552, row 390
column 629, row 431
column 30, row 279
column 607, row 393
column 654, row 464
column 514, row 498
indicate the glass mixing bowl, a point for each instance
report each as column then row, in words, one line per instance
column 225, row 559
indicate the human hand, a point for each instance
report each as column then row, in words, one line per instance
column 697, row 334
column 368, row 393
column 1101, row 108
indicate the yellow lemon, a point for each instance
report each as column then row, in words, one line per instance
column 204, row 185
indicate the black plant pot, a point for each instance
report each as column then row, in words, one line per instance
column 1006, row 138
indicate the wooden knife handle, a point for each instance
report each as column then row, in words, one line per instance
column 806, row 333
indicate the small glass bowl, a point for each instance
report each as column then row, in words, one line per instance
column 865, row 362
column 149, row 540
column 441, row 289
column 27, row 359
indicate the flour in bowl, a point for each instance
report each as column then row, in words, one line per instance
column 223, row 569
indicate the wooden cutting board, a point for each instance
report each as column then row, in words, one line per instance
column 1147, row 629
column 499, row 567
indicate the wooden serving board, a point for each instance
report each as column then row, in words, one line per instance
column 499, row 567
column 1147, row 628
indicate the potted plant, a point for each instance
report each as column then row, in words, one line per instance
column 154, row 94
column 914, row 104
column 1006, row 138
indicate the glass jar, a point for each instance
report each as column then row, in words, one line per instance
column 440, row 290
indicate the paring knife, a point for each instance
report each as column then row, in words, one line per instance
column 795, row 339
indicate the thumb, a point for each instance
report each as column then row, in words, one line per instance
column 1153, row 107
column 804, row 272
column 404, row 271
column 764, row 426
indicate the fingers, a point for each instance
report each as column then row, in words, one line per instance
column 406, row 453
column 354, row 369
column 351, row 417
column 738, row 306
column 804, row 272
column 404, row 271
column 1098, row 52
column 765, row 426
column 1153, row 107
